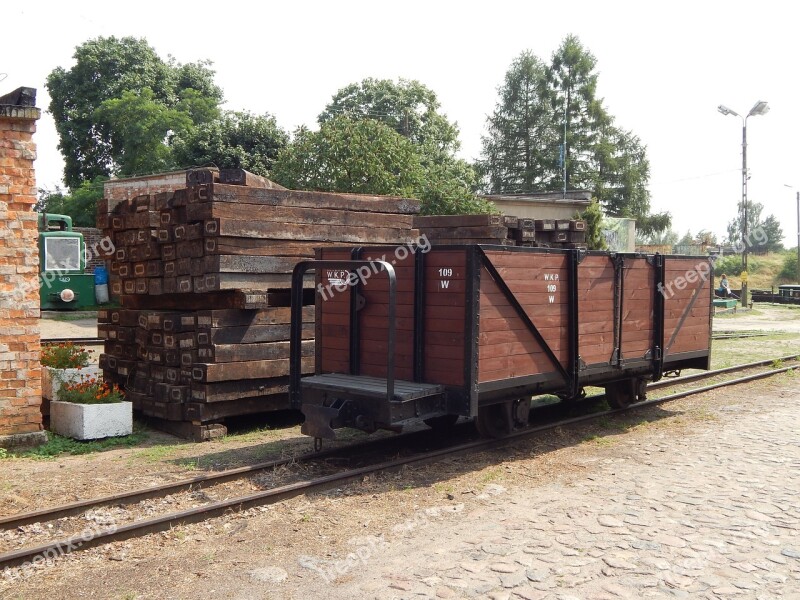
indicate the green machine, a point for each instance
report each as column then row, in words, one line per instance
column 63, row 285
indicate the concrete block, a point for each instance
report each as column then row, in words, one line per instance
column 91, row 421
column 53, row 378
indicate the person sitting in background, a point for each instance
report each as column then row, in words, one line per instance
column 724, row 289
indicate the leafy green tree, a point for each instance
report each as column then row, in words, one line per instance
column 668, row 237
column 789, row 267
column 142, row 129
column 705, row 237
column 757, row 229
column 408, row 107
column 236, row 140
column 519, row 150
column 80, row 204
column 686, row 240
column 593, row 215
column 772, row 232
column 362, row 156
column 411, row 110
column 549, row 117
column 573, row 86
column 106, row 68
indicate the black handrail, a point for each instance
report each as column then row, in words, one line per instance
column 296, row 327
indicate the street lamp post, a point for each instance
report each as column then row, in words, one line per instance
column 797, row 268
column 760, row 108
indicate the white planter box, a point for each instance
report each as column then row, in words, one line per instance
column 52, row 378
column 91, row 421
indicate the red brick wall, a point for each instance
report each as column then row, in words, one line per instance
column 92, row 238
column 20, row 371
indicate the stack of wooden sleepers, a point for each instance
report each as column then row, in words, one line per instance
column 502, row 230
column 203, row 275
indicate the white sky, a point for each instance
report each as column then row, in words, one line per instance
column 664, row 68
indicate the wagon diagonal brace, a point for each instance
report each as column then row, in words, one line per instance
column 512, row 300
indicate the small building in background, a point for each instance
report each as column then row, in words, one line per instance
column 542, row 205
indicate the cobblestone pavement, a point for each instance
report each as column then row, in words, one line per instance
column 712, row 514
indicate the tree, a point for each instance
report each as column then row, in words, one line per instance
column 705, row 237
column 519, row 148
column 236, row 140
column 686, row 240
column 550, row 131
column 593, row 215
column 408, row 107
column 577, row 111
column 789, row 268
column 142, row 129
column 668, row 237
column 411, row 110
column 80, row 204
column 772, row 233
column 362, row 156
column 106, row 68
column 735, row 226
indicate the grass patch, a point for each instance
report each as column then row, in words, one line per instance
column 155, row 453
column 57, row 445
column 69, row 316
column 255, row 435
column 491, row 475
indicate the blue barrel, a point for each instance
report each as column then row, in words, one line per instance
column 100, row 275
column 101, row 285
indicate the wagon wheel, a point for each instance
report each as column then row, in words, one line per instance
column 494, row 420
column 499, row 420
column 621, row 394
column 441, row 423
column 568, row 399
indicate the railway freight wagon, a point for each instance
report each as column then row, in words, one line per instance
column 436, row 333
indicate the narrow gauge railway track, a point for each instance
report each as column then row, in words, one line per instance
column 737, row 336
column 283, row 492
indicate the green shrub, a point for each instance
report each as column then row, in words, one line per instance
column 731, row 265
column 789, row 269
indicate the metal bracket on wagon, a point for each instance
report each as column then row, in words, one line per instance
column 318, row 421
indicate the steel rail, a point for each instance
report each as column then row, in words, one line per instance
column 201, row 481
column 59, row 547
column 165, row 489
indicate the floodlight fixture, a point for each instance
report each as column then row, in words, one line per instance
column 760, row 108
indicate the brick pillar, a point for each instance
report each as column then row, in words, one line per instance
column 20, row 370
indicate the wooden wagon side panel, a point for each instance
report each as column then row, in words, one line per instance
column 596, row 315
column 373, row 318
column 687, row 305
column 638, row 303
column 333, row 326
column 506, row 346
column 445, row 327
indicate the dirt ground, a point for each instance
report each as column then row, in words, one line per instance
column 68, row 325
column 766, row 317
column 502, row 524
